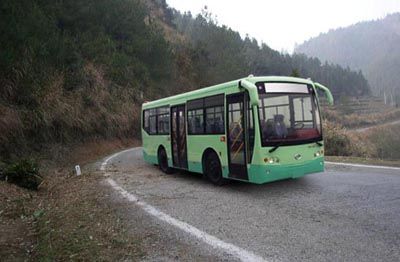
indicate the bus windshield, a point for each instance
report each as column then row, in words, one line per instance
column 289, row 118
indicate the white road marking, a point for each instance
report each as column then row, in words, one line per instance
column 105, row 162
column 213, row 241
column 360, row 165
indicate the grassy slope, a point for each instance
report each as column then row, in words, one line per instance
column 348, row 46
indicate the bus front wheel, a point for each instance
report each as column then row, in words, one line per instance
column 163, row 161
column 213, row 169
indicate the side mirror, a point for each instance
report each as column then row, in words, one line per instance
column 252, row 89
column 327, row 92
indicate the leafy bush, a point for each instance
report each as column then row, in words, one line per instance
column 337, row 142
column 340, row 142
column 24, row 173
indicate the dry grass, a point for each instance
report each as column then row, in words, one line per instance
column 359, row 120
column 11, row 129
column 79, row 222
column 67, row 156
column 70, row 217
column 376, row 143
column 17, row 235
column 98, row 110
column 340, row 142
column 386, row 141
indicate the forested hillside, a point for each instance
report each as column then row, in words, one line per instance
column 221, row 54
column 77, row 70
column 373, row 47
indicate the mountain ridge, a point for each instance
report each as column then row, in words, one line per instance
column 371, row 46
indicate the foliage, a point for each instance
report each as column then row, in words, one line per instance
column 336, row 140
column 74, row 70
column 24, row 173
column 295, row 73
column 221, row 54
column 340, row 142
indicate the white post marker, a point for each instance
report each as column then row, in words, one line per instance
column 78, row 170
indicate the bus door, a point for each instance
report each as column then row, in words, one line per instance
column 178, row 136
column 235, row 105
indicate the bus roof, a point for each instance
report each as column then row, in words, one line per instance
column 216, row 89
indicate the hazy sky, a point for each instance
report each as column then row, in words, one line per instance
column 282, row 23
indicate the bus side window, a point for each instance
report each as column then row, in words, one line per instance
column 163, row 120
column 195, row 121
column 146, row 120
column 215, row 120
column 153, row 122
column 206, row 115
column 214, row 110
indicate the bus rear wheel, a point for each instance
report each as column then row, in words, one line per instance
column 213, row 170
column 163, row 161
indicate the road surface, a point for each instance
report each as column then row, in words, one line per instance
column 344, row 214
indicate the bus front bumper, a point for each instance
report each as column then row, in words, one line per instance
column 261, row 174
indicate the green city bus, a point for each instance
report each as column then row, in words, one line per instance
column 255, row 129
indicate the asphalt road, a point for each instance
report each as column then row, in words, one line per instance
column 344, row 214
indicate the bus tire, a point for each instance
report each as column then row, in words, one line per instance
column 213, row 170
column 163, row 161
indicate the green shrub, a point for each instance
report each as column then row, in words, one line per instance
column 24, row 173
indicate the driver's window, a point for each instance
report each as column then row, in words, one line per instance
column 303, row 111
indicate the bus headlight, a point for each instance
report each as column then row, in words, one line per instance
column 271, row 160
column 319, row 153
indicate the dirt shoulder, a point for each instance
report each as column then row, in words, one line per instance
column 69, row 217
column 78, row 221
column 82, row 218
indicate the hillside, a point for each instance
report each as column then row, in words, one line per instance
column 373, row 47
column 73, row 71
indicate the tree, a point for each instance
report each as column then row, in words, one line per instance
column 295, row 73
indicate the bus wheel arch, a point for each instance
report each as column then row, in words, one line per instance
column 212, row 168
column 162, row 158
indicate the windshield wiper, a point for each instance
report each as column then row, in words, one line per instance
column 275, row 148
column 319, row 143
